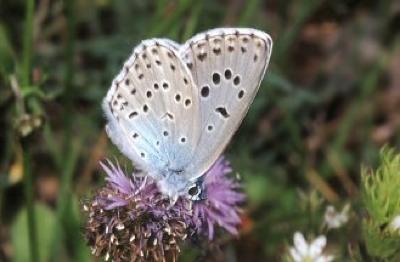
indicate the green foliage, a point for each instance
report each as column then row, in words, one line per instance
column 327, row 104
column 45, row 224
column 381, row 198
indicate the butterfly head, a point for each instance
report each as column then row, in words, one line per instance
column 176, row 185
column 196, row 191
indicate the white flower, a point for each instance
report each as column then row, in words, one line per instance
column 334, row 219
column 305, row 252
column 395, row 224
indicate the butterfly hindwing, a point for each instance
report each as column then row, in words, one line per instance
column 150, row 108
column 227, row 66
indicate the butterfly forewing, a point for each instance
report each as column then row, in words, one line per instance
column 227, row 66
column 151, row 108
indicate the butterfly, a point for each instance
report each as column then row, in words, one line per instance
column 173, row 108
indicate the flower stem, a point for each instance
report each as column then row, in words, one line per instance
column 27, row 52
column 28, row 185
column 70, row 151
column 69, row 73
column 28, row 179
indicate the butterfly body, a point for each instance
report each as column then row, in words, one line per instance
column 173, row 108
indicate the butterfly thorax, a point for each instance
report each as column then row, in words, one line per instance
column 174, row 184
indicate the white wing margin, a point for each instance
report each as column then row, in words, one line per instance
column 227, row 65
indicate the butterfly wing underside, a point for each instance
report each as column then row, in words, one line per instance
column 227, row 66
column 150, row 108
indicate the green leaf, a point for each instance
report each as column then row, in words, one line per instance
column 73, row 222
column 45, row 221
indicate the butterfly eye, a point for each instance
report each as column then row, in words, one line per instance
column 194, row 192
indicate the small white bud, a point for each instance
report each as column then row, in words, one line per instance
column 395, row 224
column 120, row 226
column 132, row 238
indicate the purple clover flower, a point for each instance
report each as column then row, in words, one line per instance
column 221, row 206
column 129, row 219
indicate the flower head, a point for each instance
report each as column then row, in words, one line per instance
column 395, row 224
column 221, row 205
column 309, row 252
column 334, row 219
column 129, row 219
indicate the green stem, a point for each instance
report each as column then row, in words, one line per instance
column 368, row 85
column 69, row 73
column 1, row 204
column 193, row 21
column 28, row 178
column 64, row 198
column 171, row 22
column 28, row 185
column 28, row 39
column 306, row 8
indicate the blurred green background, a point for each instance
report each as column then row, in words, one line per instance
column 329, row 101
